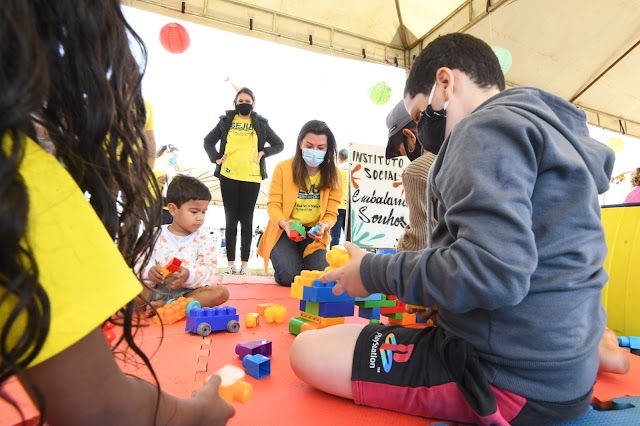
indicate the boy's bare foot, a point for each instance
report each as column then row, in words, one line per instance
column 152, row 306
column 613, row 359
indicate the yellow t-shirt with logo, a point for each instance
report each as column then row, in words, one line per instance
column 148, row 125
column 344, row 173
column 307, row 208
column 242, row 152
column 81, row 269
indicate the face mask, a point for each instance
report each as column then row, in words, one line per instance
column 313, row 157
column 244, row 109
column 173, row 161
column 411, row 155
column 432, row 126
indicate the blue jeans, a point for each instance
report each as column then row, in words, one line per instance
column 338, row 228
column 288, row 262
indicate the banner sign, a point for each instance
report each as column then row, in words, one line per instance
column 378, row 208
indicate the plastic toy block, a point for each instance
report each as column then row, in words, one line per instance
column 369, row 313
column 296, row 290
column 304, row 280
column 416, row 307
column 262, row 347
column 257, row 365
column 313, row 230
column 298, row 232
column 275, row 313
column 374, row 321
column 173, row 311
column 323, row 292
column 374, row 296
column 399, row 308
column 321, row 320
column 108, row 331
column 251, row 320
column 394, row 315
column 405, row 319
column 376, row 303
column 171, row 267
column 205, row 320
column 310, row 307
column 311, row 274
column 329, row 310
column 337, row 257
column 295, row 325
column 620, row 412
column 260, row 307
column 631, row 342
column 232, row 387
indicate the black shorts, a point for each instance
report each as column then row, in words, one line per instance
column 427, row 373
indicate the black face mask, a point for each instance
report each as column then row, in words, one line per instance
column 411, row 155
column 244, row 109
column 432, row 126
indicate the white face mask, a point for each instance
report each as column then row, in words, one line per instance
column 313, row 157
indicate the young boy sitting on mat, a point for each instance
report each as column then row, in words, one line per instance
column 515, row 263
column 187, row 201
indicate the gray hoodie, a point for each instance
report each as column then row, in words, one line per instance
column 516, row 259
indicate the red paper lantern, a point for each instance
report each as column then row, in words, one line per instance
column 175, row 38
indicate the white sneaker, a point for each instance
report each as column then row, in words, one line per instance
column 244, row 271
column 231, row 270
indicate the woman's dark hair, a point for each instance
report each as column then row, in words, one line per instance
column 328, row 168
column 248, row 92
column 69, row 64
column 164, row 148
column 186, row 188
column 458, row 51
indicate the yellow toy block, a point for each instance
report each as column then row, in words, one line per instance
column 252, row 320
column 311, row 274
column 321, row 320
column 621, row 295
column 337, row 257
column 416, row 307
column 296, row 290
column 275, row 313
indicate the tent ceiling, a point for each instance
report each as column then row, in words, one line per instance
column 585, row 51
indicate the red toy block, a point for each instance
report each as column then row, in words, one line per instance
column 171, row 267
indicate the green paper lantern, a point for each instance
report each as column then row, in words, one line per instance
column 504, row 57
column 380, row 93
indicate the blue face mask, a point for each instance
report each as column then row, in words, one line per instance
column 313, row 157
column 173, row 161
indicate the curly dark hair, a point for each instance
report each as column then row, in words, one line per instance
column 635, row 177
column 67, row 66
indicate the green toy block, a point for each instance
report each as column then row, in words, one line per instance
column 376, row 303
column 295, row 324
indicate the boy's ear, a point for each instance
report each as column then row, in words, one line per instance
column 173, row 209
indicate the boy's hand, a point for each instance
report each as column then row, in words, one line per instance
column 179, row 277
column 348, row 276
column 218, row 411
column 155, row 275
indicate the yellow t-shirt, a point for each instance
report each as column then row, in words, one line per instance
column 242, row 152
column 344, row 173
column 81, row 269
column 149, row 123
column 307, row 208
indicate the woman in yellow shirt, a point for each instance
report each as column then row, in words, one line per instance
column 61, row 275
column 243, row 135
column 306, row 188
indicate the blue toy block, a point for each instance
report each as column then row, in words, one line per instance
column 257, row 365
column 322, row 292
column 623, row 412
column 631, row 342
column 328, row 309
column 374, row 296
column 205, row 320
column 369, row 313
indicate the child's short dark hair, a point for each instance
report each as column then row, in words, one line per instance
column 186, row 188
column 458, row 51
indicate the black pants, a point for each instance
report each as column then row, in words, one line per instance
column 239, row 199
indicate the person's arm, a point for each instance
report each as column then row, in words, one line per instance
column 487, row 190
column 89, row 368
column 206, row 263
column 210, row 142
column 275, row 143
column 414, row 181
column 276, row 197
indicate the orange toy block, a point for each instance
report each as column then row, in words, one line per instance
column 261, row 307
column 275, row 313
column 407, row 319
column 173, row 312
column 171, row 267
column 311, row 326
column 252, row 320
column 232, row 387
